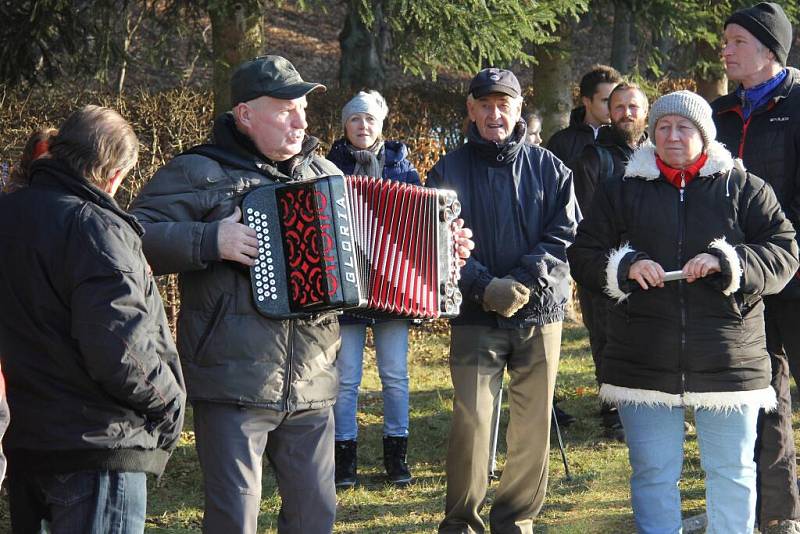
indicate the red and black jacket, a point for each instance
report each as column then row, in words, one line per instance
column 769, row 145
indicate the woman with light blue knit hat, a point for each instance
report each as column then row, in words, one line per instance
column 686, row 244
column 363, row 151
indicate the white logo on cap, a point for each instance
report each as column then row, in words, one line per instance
column 494, row 77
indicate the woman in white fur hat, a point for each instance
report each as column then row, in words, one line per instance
column 685, row 206
column 363, row 151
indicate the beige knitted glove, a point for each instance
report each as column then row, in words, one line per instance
column 505, row 296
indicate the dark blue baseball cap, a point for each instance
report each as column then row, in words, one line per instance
column 493, row 80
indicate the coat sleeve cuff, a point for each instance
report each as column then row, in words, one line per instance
column 619, row 263
column 730, row 265
column 479, row 286
column 209, row 245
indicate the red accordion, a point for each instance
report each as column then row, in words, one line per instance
column 375, row 247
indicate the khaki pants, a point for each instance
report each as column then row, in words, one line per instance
column 478, row 356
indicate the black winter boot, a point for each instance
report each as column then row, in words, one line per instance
column 346, row 463
column 394, row 459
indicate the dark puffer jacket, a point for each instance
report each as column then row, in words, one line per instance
column 519, row 202
column 230, row 353
column 567, row 144
column 91, row 370
column 769, row 144
column 699, row 344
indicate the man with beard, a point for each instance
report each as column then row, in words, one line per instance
column 604, row 160
column 627, row 105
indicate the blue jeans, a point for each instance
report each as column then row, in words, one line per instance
column 83, row 502
column 391, row 349
column 655, row 448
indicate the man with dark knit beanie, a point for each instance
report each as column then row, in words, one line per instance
column 760, row 123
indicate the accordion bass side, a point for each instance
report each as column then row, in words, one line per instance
column 375, row 247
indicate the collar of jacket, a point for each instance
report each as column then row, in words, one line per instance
column 681, row 177
column 245, row 155
column 394, row 151
column 643, row 162
column 755, row 97
column 49, row 172
column 497, row 154
column 731, row 101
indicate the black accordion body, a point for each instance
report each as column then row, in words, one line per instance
column 372, row 246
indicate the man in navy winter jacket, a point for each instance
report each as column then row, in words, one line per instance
column 518, row 200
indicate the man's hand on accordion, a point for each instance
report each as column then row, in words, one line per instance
column 505, row 296
column 464, row 242
column 235, row 241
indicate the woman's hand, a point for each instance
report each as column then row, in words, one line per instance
column 647, row 273
column 701, row 266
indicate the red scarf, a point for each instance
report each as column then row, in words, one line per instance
column 688, row 174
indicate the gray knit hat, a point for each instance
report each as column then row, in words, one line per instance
column 370, row 102
column 686, row 104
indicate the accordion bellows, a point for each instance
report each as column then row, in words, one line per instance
column 374, row 247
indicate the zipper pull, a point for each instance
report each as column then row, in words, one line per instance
column 683, row 183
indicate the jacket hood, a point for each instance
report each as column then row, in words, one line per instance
column 54, row 172
column 240, row 152
column 643, row 162
column 498, row 154
column 577, row 115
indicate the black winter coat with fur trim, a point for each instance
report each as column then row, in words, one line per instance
column 682, row 342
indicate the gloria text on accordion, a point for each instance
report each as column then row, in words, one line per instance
column 375, row 247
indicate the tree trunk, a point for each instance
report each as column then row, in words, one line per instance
column 361, row 65
column 237, row 34
column 553, row 83
column 714, row 83
column 621, row 36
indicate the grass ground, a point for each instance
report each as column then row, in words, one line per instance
column 596, row 500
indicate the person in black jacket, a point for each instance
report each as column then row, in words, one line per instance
column 518, row 200
column 586, row 119
column 256, row 384
column 687, row 207
column 603, row 160
column 760, row 123
column 92, row 373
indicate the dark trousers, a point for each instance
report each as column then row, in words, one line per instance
column 775, row 449
column 84, row 502
column 594, row 310
column 231, row 442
